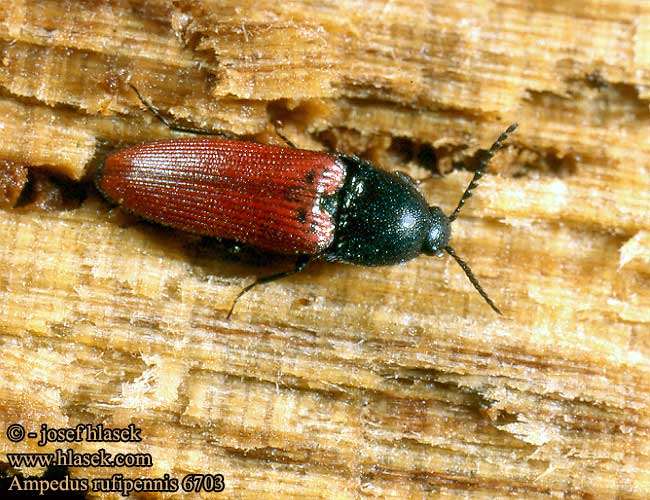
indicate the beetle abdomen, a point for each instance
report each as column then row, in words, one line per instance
column 274, row 198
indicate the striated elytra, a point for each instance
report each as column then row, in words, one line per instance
column 284, row 200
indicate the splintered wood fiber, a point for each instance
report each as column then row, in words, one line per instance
column 340, row 382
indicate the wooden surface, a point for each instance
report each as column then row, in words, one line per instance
column 342, row 382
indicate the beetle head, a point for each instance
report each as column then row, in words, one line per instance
column 439, row 233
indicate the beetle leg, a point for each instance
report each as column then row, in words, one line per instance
column 301, row 263
column 277, row 124
column 173, row 126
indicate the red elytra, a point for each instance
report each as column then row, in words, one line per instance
column 267, row 196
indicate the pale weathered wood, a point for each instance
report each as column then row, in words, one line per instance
column 343, row 382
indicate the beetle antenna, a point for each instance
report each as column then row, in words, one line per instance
column 481, row 170
column 472, row 279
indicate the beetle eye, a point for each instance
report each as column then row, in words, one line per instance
column 440, row 253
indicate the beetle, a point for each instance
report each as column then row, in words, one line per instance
column 284, row 200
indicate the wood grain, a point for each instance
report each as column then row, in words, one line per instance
column 342, row 382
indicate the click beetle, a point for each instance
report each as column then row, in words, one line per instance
column 284, row 200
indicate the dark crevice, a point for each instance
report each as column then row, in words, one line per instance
column 47, row 192
column 423, row 154
column 594, row 98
